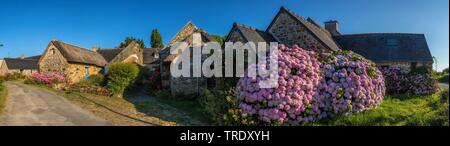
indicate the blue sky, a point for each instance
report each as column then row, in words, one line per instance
column 26, row 26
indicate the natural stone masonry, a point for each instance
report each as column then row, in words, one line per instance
column 31, row 106
column 290, row 32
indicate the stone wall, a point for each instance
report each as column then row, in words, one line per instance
column 26, row 72
column 290, row 32
column 404, row 65
column 53, row 61
column 77, row 72
column 3, row 68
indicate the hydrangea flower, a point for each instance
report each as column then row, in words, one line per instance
column 313, row 86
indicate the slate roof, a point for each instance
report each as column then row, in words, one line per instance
column 109, row 54
column 149, row 55
column 16, row 63
column 380, row 47
column 77, row 54
column 252, row 34
column 165, row 55
column 317, row 31
column 37, row 57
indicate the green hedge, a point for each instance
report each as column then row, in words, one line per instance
column 121, row 77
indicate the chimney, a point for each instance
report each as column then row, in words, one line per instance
column 333, row 27
column 94, row 49
column 22, row 57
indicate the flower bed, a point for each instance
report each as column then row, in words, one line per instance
column 47, row 79
column 312, row 87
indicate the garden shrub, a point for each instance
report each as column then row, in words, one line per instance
column 13, row 76
column 444, row 79
column 94, row 80
column 46, row 79
column 212, row 103
column 312, row 86
column 415, row 83
column 154, row 81
column 121, row 77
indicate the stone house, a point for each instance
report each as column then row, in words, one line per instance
column 74, row 62
column 78, row 63
column 404, row 50
column 183, row 86
column 22, row 65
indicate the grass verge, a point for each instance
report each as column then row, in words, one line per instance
column 399, row 110
column 3, row 93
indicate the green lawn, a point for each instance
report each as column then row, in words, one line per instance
column 399, row 110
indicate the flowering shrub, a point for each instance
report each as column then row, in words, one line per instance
column 411, row 83
column 310, row 89
column 47, row 79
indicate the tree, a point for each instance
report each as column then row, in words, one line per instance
column 445, row 70
column 128, row 40
column 156, row 39
column 219, row 39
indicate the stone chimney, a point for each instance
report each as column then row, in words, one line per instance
column 333, row 27
column 94, row 49
column 22, row 56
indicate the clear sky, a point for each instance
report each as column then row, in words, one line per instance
column 27, row 26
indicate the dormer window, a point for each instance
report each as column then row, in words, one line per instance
column 392, row 42
column 156, row 55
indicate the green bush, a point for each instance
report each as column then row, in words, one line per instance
column 121, row 77
column 213, row 103
column 94, row 80
column 444, row 79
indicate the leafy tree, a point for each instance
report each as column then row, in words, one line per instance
column 128, row 40
column 156, row 39
column 445, row 70
column 219, row 39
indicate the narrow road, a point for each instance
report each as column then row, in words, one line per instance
column 32, row 106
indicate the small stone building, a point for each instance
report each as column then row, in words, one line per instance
column 78, row 63
column 74, row 62
column 20, row 65
column 183, row 86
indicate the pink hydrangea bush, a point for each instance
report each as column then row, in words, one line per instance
column 353, row 84
column 311, row 87
column 47, row 79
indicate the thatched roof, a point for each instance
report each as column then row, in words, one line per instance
column 77, row 54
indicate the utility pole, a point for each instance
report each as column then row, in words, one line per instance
column 436, row 62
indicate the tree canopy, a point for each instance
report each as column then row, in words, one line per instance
column 156, row 39
column 128, row 40
column 219, row 38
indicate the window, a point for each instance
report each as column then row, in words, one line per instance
column 53, row 51
column 392, row 42
column 156, row 55
column 21, row 70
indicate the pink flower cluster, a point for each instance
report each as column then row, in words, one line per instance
column 48, row 79
column 312, row 87
column 398, row 82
